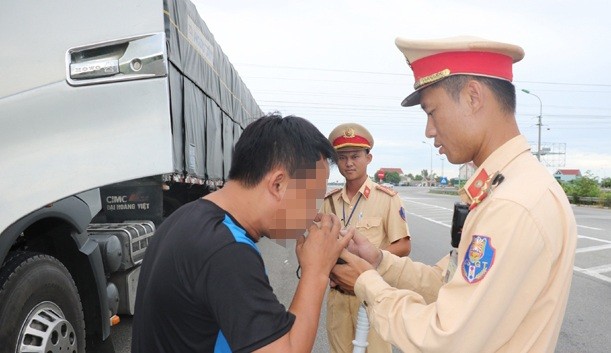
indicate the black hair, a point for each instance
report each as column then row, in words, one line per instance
column 271, row 141
column 503, row 90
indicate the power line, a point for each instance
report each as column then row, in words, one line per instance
column 327, row 70
column 276, row 67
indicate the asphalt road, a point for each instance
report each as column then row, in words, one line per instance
column 588, row 316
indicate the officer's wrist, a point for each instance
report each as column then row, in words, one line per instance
column 379, row 259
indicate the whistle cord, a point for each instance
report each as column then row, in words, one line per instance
column 351, row 213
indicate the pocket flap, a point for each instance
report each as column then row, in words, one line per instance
column 369, row 222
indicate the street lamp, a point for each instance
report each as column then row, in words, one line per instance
column 539, row 124
column 431, row 174
column 442, row 159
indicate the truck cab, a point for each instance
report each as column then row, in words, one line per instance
column 113, row 115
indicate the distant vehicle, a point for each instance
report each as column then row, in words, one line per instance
column 388, row 185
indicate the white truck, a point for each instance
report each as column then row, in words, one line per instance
column 112, row 115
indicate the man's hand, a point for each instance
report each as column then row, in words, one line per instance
column 345, row 275
column 319, row 252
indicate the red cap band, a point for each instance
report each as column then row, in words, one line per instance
column 356, row 141
column 432, row 68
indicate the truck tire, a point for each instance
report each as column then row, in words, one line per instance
column 40, row 308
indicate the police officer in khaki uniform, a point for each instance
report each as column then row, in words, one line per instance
column 376, row 212
column 507, row 289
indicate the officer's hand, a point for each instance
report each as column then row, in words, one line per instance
column 361, row 247
column 345, row 275
column 319, row 252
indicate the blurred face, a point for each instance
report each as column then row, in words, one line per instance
column 301, row 202
column 352, row 164
column 449, row 123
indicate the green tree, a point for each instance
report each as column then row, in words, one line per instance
column 605, row 183
column 585, row 186
column 392, row 177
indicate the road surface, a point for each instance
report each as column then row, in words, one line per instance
column 588, row 316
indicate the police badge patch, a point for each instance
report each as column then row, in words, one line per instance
column 478, row 259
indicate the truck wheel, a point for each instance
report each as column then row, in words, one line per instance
column 40, row 308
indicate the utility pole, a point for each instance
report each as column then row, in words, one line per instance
column 539, row 124
column 431, row 173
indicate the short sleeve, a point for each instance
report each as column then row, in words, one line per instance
column 241, row 299
column 396, row 221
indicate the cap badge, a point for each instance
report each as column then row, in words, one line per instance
column 432, row 78
column 349, row 132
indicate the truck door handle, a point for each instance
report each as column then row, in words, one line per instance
column 118, row 60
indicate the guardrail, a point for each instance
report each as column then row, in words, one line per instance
column 591, row 201
column 577, row 200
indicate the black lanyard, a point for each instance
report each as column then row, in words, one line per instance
column 346, row 222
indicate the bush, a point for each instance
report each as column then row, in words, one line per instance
column 585, row 186
column 605, row 199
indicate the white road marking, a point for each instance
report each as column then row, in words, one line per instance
column 593, row 273
column 586, row 227
column 429, row 219
column 592, row 238
column 601, row 269
column 427, row 204
column 593, row 248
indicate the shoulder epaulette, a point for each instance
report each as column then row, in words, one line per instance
column 332, row 192
column 386, row 190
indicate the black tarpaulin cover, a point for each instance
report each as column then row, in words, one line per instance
column 210, row 105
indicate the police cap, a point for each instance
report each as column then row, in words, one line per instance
column 433, row 60
column 351, row 136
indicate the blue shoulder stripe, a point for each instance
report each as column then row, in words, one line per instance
column 239, row 234
column 221, row 345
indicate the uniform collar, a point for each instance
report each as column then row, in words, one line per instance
column 483, row 180
column 365, row 190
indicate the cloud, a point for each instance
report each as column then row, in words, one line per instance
column 598, row 163
column 335, row 61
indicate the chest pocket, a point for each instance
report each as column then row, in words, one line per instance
column 371, row 227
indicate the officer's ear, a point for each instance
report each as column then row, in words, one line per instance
column 475, row 95
column 369, row 157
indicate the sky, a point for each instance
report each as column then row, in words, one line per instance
column 333, row 62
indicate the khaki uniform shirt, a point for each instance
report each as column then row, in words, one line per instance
column 514, row 270
column 379, row 214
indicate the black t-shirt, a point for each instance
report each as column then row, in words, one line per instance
column 203, row 274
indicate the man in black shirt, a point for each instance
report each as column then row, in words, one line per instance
column 203, row 286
